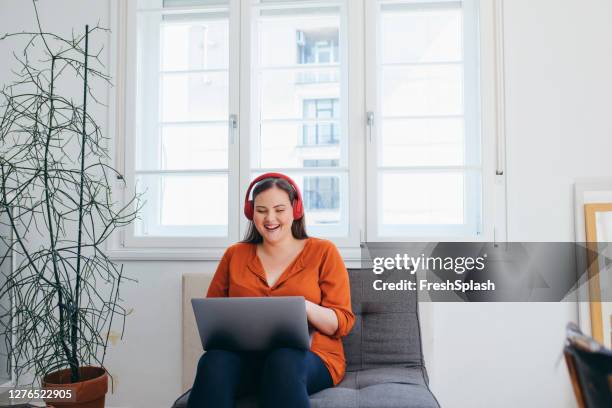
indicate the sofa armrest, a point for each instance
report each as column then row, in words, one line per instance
column 194, row 285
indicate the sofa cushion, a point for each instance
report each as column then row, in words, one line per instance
column 389, row 395
column 358, row 380
column 386, row 387
column 386, row 330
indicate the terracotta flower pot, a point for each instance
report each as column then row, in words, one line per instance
column 87, row 393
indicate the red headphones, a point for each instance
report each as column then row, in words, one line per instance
column 298, row 207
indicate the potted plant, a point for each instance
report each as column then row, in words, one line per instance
column 56, row 199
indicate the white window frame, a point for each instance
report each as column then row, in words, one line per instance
column 434, row 233
column 358, row 32
column 125, row 244
column 348, row 244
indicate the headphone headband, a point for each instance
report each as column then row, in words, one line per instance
column 249, row 205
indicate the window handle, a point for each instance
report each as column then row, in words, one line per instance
column 233, row 126
column 370, row 122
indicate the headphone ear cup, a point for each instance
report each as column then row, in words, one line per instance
column 298, row 209
column 248, row 209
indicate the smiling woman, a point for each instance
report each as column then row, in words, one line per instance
column 277, row 258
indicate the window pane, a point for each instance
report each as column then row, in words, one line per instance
column 305, row 38
column 413, row 35
column 145, row 4
column 321, row 193
column 181, row 205
column 422, row 90
column 194, row 147
column 184, row 147
column 182, row 119
column 193, row 97
column 283, row 92
column 422, row 198
column 321, row 163
column 288, row 145
column 321, row 132
column 423, row 142
column 281, row 1
column 195, row 44
column 192, row 3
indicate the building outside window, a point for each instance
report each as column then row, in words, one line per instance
column 321, row 192
column 320, row 128
column 321, row 133
column 317, row 47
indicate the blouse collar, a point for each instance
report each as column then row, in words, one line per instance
column 255, row 265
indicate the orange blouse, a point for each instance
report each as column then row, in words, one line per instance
column 317, row 273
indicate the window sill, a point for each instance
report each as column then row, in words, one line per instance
column 165, row 254
column 351, row 255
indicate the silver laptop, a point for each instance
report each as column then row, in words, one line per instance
column 252, row 323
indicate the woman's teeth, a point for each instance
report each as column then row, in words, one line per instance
column 271, row 227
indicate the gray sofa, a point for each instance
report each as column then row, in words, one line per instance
column 385, row 366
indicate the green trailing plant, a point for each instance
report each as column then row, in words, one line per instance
column 56, row 200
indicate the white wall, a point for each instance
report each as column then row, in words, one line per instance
column 482, row 355
column 558, row 129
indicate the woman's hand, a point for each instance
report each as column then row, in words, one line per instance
column 322, row 318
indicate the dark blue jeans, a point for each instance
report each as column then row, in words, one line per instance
column 283, row 377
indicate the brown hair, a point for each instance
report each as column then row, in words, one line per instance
column 298, row 228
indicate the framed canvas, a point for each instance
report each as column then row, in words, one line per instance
column 586, row 191
column 598, row 230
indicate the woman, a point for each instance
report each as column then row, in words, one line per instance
column 277, row 258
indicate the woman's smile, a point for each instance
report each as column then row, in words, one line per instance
column 273, row 212
column 272, row 229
